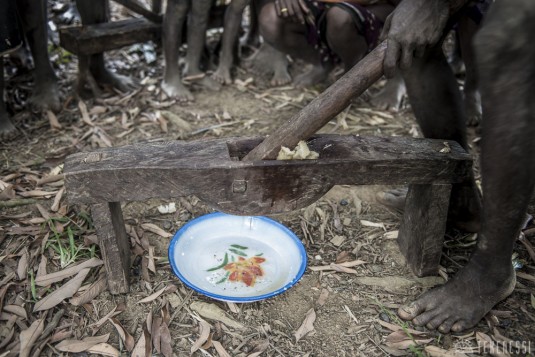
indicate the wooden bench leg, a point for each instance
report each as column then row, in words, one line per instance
column 421, row 234
column 114, row 245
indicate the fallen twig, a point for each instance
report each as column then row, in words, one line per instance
column 16, row 203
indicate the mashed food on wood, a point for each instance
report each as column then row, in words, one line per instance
column 301, row 152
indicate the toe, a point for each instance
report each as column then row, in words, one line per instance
column 445, row 327
column 435, row 322
column 425, row 318
column 409, row 312
column 460, row 325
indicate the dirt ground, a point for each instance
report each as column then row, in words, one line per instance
column 345, row 314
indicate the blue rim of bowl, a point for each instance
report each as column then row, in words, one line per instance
column 197, row 220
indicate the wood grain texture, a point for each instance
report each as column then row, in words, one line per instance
column 421, row 234
column 211, row 170
column 114, row 244
column 324, row 107
column 98, row 38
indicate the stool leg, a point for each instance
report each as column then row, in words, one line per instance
column 421, row 234
column 114, row 245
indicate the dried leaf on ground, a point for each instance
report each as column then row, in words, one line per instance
column 53, row 120
column 91, row 292
column 143, row 346
column 306, row 326
column 37, row 193
column 41, row 270
column 85, row 115
column 16, row 310
column 62, row 293
column 168, row 289
column 323, row 297
column 401, row 340
column 220, row 349
column 127, row 338
column 391, row 235
column 394, row 328
column 155, row 229
column 333, row 266
column 77, row 346
column 29, row 336
column 115, row 311
column 104, row 349
column 435, row 351
column 366, row 223
column 22, row 268
column 233, row 307
column 213, row 312
column 204, row 333
column 155, row 333
column 165, row 340
column 259, row 348
column 57, row 200
column 176, row 120
column 51, row 278
column 486, row 343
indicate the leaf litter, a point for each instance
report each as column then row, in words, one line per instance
column 36, row 252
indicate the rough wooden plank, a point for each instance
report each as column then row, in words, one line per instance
column 205, row 169
column 324, row 107
column 114, row 245
column 421, row 234
column 98, row 38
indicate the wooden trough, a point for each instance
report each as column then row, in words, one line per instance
column 212, row 171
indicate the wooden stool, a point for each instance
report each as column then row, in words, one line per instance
column 212, row 171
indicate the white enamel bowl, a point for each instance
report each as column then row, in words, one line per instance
column 236, row 258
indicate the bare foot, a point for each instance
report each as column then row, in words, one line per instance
column 281, row 76
column 316, row 75
column 209, row 83
column 266, row 61
column 472, row 105
column 390, row 96
column 222, row 75
column 260, row 63
column 394, row 199
column 121, row 83
column 7, row 129
column 176, row 90
column 464, row 300
column 46, row 96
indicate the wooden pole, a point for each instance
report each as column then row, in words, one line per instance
column 324, row 107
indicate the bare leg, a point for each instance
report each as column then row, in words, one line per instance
column 46, row 92
column 197, row 25
column 269, row 61
column 507, row 74
column 233, row 17
column 344, row 38
column 437, row 105
column 472, row 98
column 7, row 129
column 391, row 95
column 93, row 12
column 252, row 37
column 173, row 23
column 290, row 38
